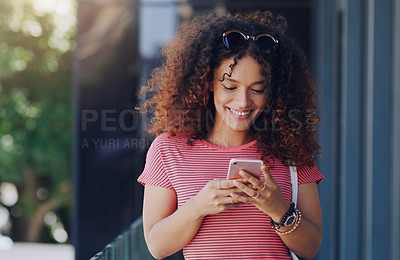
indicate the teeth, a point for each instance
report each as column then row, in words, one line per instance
column 239, row 113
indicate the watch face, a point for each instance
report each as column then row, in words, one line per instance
column 290, row 220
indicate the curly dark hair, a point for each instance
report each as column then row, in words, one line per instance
column 182, row 100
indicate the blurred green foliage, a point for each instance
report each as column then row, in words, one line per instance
column 36, row 60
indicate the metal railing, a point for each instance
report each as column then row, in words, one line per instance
column 130, row 245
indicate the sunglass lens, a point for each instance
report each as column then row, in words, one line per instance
column 267, row 44
column 234, row 40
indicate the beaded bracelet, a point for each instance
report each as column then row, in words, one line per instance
column 288, row 213
column 294, row 227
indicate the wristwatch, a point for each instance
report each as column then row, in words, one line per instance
column 287, row 220
column 290, row 220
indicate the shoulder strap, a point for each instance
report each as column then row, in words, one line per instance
column 295, row 189
column 295, row 184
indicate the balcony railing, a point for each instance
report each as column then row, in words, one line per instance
column 130, row 245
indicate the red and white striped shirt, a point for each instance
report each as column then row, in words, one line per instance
column 242, row 232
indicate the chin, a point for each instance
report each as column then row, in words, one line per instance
column 241, row 127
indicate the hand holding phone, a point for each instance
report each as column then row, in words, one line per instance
column 251, row 166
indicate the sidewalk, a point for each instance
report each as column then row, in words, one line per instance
column 38, row 251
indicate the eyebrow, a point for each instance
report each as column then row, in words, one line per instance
column 254, row 83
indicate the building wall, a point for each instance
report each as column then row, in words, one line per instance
column 357, row 66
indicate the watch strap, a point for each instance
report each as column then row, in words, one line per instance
column 289, row 212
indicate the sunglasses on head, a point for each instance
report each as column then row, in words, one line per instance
column 235, row 39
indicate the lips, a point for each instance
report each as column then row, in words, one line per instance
column 239, row 114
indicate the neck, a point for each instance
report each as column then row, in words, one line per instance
column 230, row 139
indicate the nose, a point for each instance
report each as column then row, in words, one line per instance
column 242, row 98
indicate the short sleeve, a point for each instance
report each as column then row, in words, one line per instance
column 308, row 174
column 154, row 172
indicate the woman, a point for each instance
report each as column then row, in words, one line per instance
column 231, row 87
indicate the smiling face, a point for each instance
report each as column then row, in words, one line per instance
column 238, row 99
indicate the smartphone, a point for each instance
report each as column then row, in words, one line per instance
column 251, row 166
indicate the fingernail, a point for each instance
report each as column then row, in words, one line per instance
column 235, row 182
column 241, row 173
column 263, row 167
